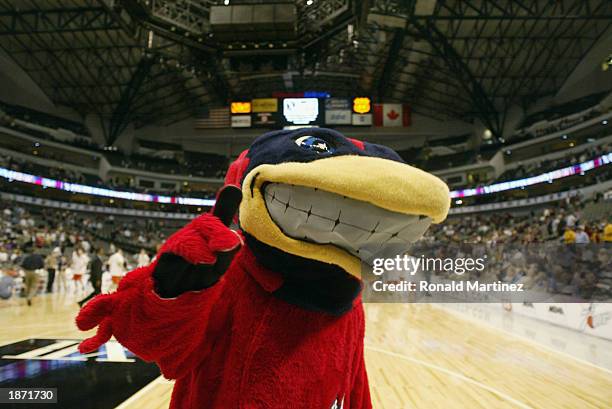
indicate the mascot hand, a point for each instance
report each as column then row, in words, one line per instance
column 192, row 259
column 198, row 255
column 99, row 312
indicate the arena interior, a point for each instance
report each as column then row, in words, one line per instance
column 119, row 119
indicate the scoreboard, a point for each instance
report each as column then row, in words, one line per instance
column 303, row 109
column 290, row 110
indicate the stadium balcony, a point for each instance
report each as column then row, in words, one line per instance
column 565, row 112
column 47, row 136
column 128, row 203
column 573, row 125
column 450, row 157
column 159, row 169
column 595, row 183
column 591, row 133
column 587, row 178
column 138, row 173
column 32, row 117
column 442, row 152
column 491, row 163
column 555, row 161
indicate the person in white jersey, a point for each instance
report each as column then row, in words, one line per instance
column 116, row 268
column 80, row 259
column 143, row 258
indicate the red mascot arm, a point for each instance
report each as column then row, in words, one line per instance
column 162, row 312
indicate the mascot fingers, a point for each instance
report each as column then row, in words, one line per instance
column 215, row 226
column 103, row 334
column 198, row 255
column 228, row 201
column 201, row 239
column 188, row 244
column 208, row 234
column 221, row 238
column 95, row 311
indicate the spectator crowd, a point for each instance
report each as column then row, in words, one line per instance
column 559, row 250
column 46, row 250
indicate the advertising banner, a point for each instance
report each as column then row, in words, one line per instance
column 265, row 119
column 337, row 104
column 338, row 117
column 362, row 119
column 240, row 107
column 264, row 105
column 241, row 121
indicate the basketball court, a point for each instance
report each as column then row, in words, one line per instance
column 417, row 355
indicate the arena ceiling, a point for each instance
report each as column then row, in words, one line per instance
column 160, row 61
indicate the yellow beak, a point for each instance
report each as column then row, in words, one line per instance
column 384, row 183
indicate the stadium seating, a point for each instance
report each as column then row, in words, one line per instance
column 550, row 164
column 538, row 154
column 48, row 228
column 559, row 111
column 43, row 119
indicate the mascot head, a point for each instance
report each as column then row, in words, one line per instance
column 312, row 198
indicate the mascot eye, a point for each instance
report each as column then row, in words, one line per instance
column 312, row 143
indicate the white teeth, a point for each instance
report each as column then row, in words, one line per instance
column 280, row 191
column 330, row 212
column 379, row 238
column 350, row 231
column 348, row 237
column 295, row 218
column 352, row 212
column 395, row 224
column 319, row 228
column 297, row 203
column 414, row 231
column 323, row 217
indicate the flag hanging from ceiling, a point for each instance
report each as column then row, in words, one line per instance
column 216, row 118
column 391, row 115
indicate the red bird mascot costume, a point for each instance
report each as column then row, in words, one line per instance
column 272, row 317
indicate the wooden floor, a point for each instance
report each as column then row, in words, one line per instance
column 418, row 356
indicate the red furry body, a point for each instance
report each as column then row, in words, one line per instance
column 234, row 345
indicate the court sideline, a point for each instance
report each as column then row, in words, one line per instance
column 418, row 356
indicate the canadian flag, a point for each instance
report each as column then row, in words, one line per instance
column 391, row 115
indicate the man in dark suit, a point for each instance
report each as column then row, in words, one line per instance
column 95, row 275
